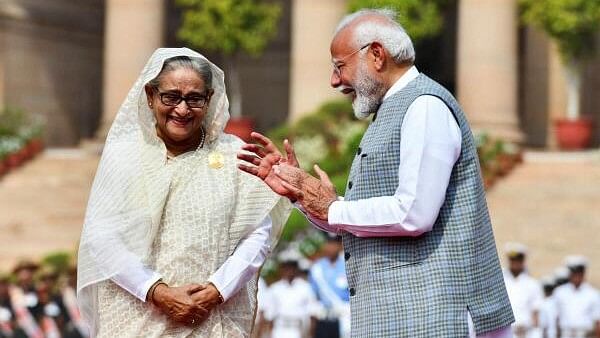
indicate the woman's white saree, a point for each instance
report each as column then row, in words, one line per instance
column 181, row 218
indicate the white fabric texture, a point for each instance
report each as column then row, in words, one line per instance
column 245, row 261
column 134, row 182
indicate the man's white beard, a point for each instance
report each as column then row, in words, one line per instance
column 369, row 93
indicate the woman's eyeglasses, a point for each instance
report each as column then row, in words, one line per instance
column 192, row 101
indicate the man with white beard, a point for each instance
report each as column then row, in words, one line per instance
column 420, row 254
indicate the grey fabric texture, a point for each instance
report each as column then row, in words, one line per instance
column 423, row 286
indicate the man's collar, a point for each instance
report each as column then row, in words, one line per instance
column 410, row 75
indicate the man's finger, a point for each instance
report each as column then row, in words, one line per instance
column 254, row 148
column 252, row 159
column 290, row 153
column 290, row 174
column 265, row 142
column 293, row 191
column 249, row 169
column 324, row 177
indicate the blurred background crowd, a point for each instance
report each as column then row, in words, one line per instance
column 308, row 297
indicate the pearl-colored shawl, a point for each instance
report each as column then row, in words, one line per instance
column 132, row 185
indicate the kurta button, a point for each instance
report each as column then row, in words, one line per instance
column 359, row 150
column 350, row 185
column 352, row 292
column 346, row 255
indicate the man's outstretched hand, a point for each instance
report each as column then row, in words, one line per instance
column 315, row 195
column 259, row 160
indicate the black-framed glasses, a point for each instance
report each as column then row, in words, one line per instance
column 336, row 67
column 173, row 99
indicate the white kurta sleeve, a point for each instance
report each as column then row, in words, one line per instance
column 430, row 145
column 245, row 261
column 136, row 279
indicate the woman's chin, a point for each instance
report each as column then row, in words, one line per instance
column 179, row 134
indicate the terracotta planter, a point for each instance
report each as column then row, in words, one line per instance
column 505, row 164
column 3, row 167
column 573, row 134
column 240, row 127
column 36, row 146
column 14, row 160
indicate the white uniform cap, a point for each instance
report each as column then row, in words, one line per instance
column 304, row 264
column 290, row 254
column 513, row 249
column 561, row 273
column 547, row 280
column 575, row 261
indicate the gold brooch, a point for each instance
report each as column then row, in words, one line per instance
column 216, row 160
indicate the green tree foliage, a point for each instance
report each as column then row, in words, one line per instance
column 229, row 26
column 573, row 24
column 421, row 18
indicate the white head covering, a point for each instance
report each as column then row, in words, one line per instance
column 131, row 184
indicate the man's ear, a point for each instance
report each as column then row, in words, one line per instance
column 379, row 55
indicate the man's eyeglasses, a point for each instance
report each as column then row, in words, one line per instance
column 192, row 101
column 336, row 65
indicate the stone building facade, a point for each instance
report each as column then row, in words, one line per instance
column 73, row 62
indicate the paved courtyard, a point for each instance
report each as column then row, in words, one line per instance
column 551, row 202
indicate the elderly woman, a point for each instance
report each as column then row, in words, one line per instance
column 174, row 234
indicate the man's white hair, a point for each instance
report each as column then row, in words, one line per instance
column 388, row 32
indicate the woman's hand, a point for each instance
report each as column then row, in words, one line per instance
column 208, row 297
column 177, row 303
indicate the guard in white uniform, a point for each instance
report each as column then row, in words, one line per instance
column 524, row 292
column 578, row 303
column 293, row 303
column 547, row 313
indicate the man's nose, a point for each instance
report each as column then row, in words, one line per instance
column 335, row 80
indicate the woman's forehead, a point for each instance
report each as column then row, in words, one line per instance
column 182, row 78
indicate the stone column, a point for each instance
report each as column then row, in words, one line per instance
column 134, row 29
column 487, row 66
column 557, row 92
column 2, row 75
column 313, row 23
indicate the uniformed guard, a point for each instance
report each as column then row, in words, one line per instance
column 293, row 301
column 524, row 292
column 328, row 279
column 547, row 313
column 578, row 303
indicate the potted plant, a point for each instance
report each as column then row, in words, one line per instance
column 230, row 28
column 573, row 25
column 3, row 166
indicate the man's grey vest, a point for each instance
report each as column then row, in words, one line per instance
column 423, row 286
